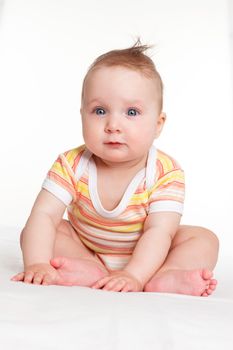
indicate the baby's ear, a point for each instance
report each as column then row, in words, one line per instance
column 160, row 123
column 163, row 116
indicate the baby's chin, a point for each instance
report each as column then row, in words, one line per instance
column 124, row 161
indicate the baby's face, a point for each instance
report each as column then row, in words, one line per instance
column 120, row 114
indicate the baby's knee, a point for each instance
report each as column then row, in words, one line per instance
column 211, row 238
column 203, row 234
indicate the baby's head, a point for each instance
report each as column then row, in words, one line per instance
column 133, row 58
column 121, row 104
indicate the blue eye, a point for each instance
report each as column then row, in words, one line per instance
column 132, row 112
column 100, row 111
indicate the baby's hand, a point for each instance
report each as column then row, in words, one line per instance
column 37, row 274
column 119, row 281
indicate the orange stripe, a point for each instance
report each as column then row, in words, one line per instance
column 165, row 198
column 106, row 248
column 76, row 160
column 160, row 168
column 172, row 185
column 102, row 222
column 59, row 180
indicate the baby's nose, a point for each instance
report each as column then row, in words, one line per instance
column 112, row 124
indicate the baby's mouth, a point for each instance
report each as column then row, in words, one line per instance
column 114, row 144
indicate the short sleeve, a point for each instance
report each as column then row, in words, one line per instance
column 60, row 180
column 168, row 192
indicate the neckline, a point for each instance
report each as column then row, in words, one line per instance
column 92, row 184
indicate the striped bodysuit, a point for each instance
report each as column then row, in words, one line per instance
column 112, row 235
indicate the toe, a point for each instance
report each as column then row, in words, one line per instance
column 212, row 286
column 206, row 274
column 18, row 277
column 209, row 291
column 47, row 280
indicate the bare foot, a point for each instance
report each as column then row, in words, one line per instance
column 77, row 272
column 189, row 282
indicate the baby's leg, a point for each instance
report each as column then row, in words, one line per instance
column 75, row 263
column 189, row 264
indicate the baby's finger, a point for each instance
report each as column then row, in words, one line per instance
column 18, row 277
column 115, row 285
column 111, row 284
column 126, row 288
column 28, row 276
column 100, row 283
column 119, row 285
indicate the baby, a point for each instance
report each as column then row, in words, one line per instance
column 124, row 198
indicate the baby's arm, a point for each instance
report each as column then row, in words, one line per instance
column 153, row 246
column 148, row 256
column 39, row 237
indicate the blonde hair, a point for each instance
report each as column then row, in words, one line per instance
column 132, row 58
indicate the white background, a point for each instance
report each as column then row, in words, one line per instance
column 46, row 47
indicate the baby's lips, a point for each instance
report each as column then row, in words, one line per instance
column 114, row 143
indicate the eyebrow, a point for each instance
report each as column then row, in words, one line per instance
column 95, row 100
column 131, row 102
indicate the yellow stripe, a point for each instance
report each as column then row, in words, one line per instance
column 73, row 153
column 83, row 188
column 176, row 175
column 166, row 162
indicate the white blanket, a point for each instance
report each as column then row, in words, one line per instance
column 55, row 317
